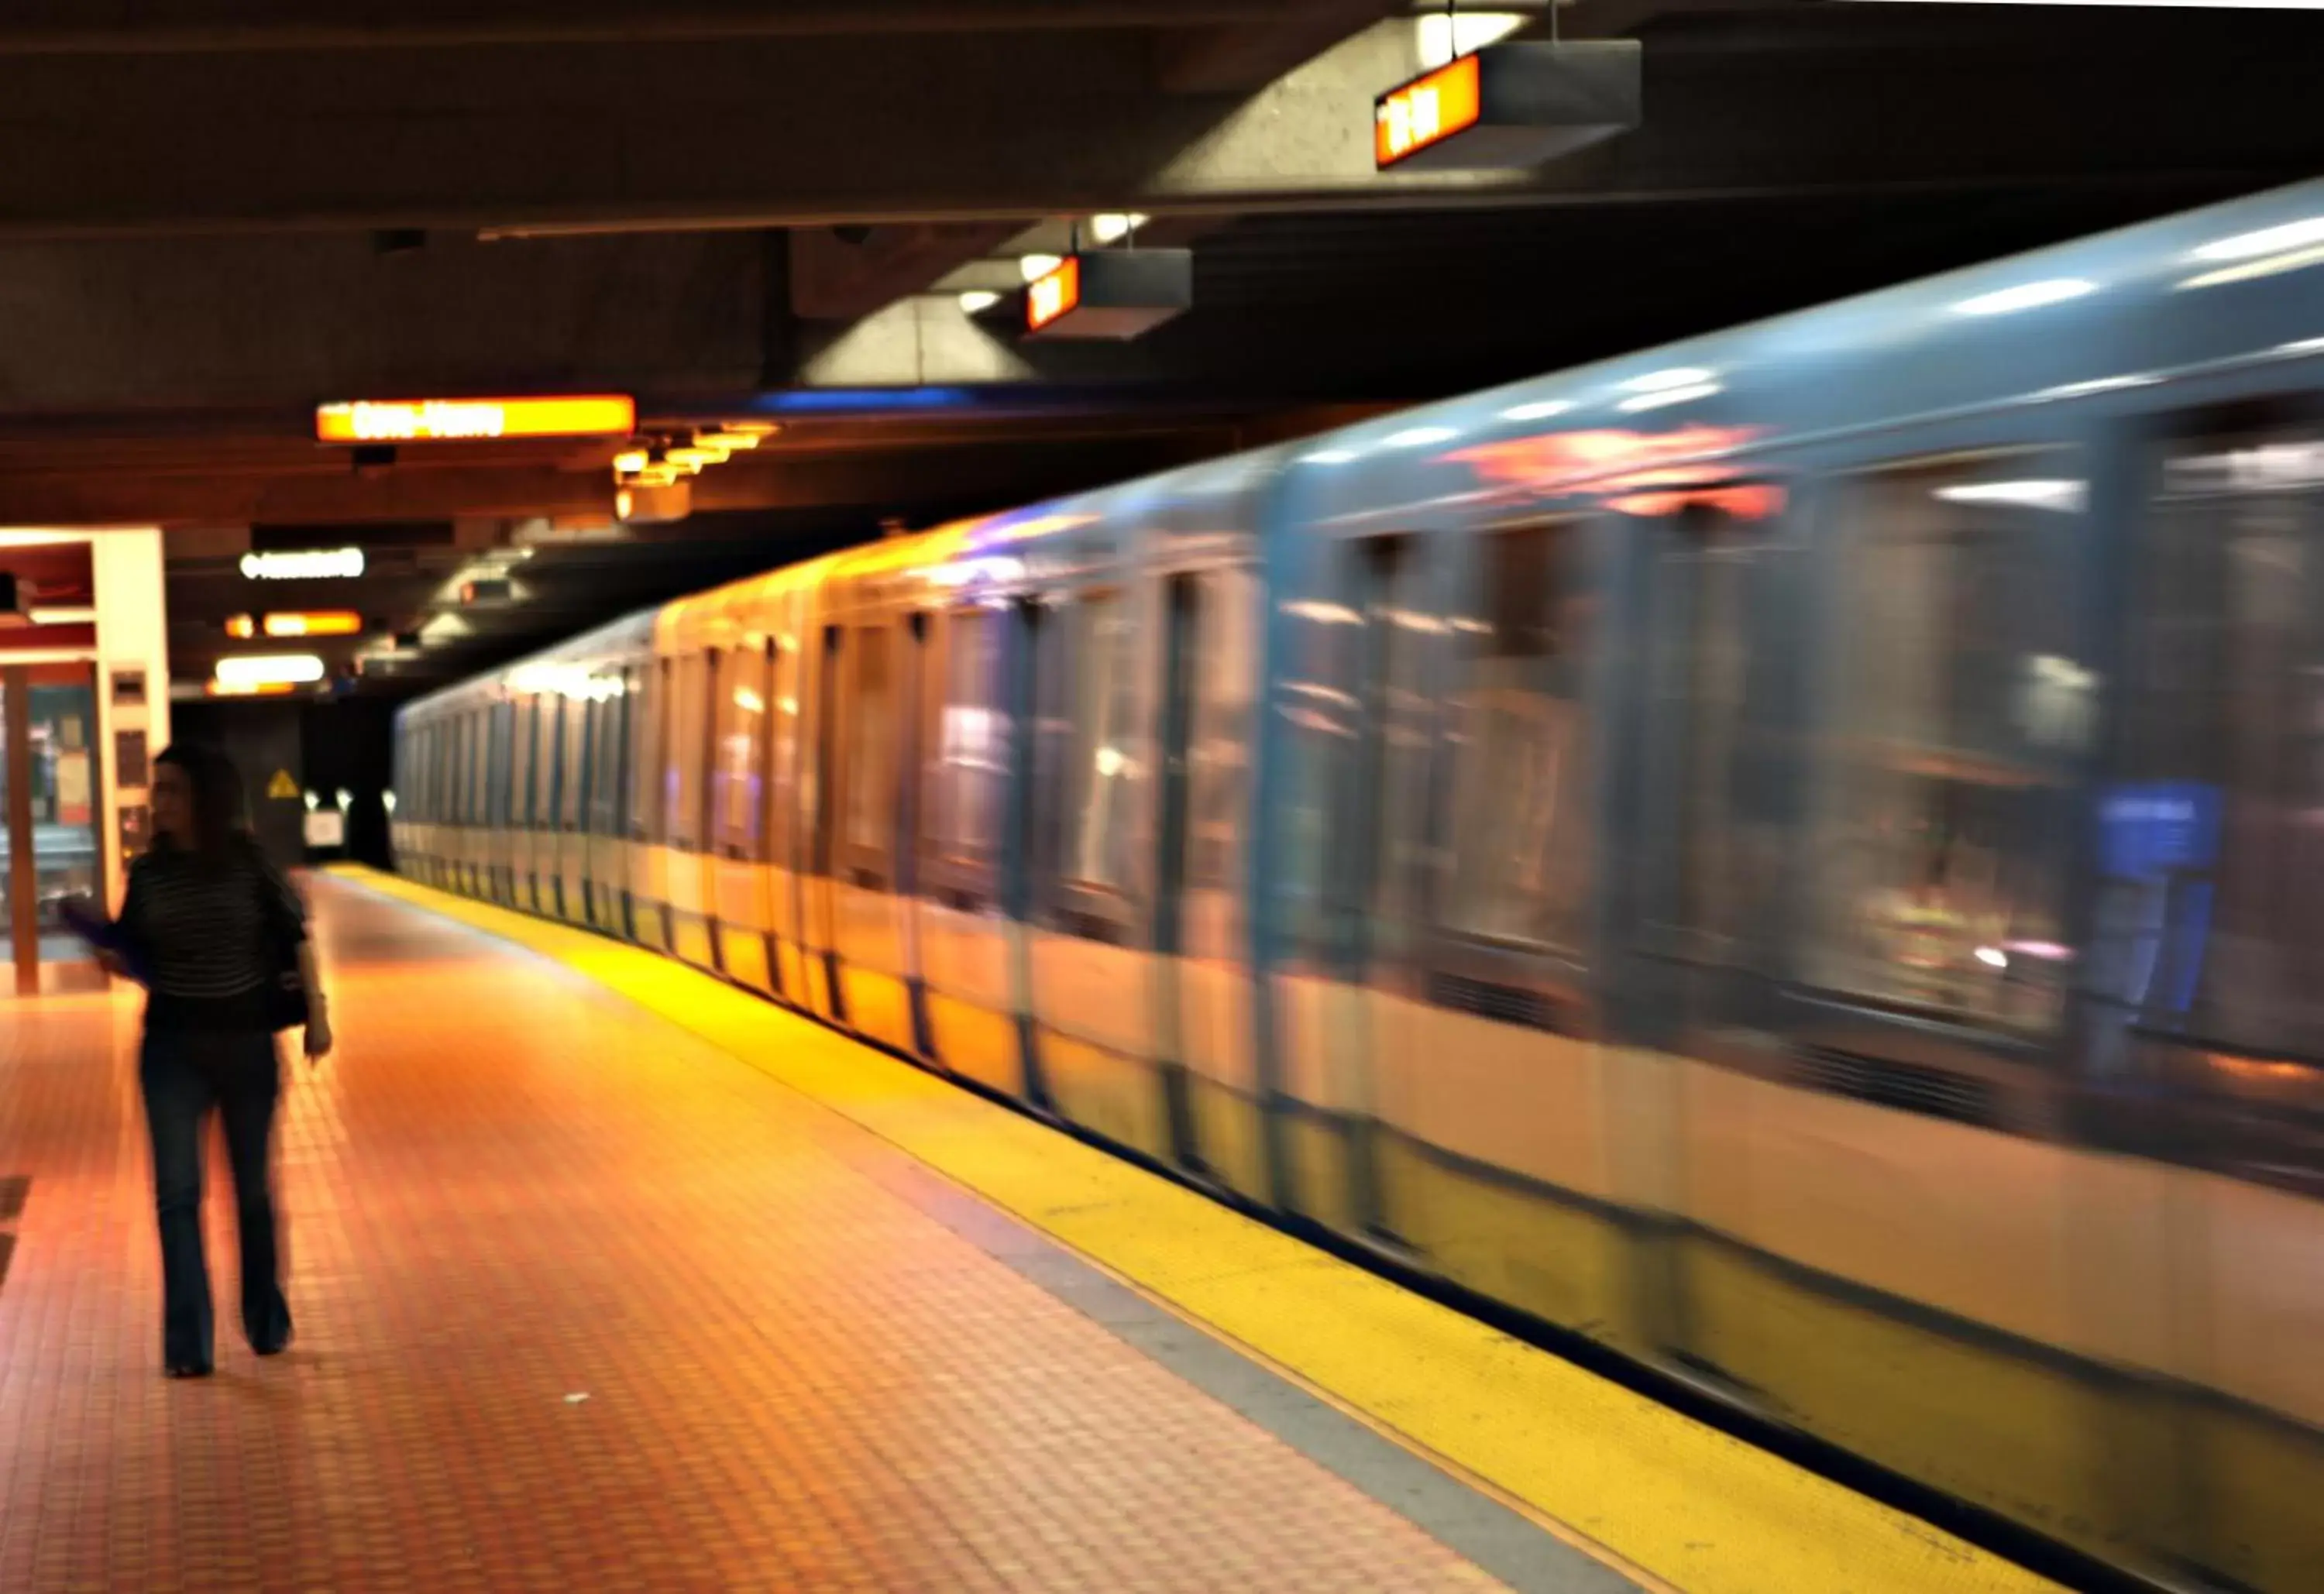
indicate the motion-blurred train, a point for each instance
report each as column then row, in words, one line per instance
column 1799, row 854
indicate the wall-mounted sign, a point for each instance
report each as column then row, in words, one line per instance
column 1508, row 106
column 334, row 564
column 447, row 420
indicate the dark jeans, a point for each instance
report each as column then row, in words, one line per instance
column 185, row 1073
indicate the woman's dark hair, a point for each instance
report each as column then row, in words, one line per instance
column 215, row 787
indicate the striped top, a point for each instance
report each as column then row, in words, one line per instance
column 206, row 930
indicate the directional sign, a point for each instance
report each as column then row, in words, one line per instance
column 439, row 420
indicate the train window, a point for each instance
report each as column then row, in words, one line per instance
column 1094, row 844
column 872, row 733
column 968, row 775
column 1941, row 824
column 1219, row 745
column 1521, row 752
column 743, row 711
column 2214, row 853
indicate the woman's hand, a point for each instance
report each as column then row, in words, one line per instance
column 318, row 1030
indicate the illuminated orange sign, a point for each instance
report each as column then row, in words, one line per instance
column 328, row 622
column 1428, row 111
column 440, row 420
column 1055, row 295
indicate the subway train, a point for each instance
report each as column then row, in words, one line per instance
column 1791, row 855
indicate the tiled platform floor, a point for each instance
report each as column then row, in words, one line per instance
column 584, row 1305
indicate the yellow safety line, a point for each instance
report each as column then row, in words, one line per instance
column 1682, row 1502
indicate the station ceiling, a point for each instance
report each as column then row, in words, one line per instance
column 219, row 214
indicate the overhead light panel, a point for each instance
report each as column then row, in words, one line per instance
column 1033, row 267
column 269, row 669
column 339, row 563
column 977, row 300
column 1442, row 38
column 1112, row 227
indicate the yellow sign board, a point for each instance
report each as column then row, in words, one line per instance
column 282, row 788
column 463, row 421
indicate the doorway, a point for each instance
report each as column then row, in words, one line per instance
column 51, row 845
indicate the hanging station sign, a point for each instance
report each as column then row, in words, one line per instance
column 1114, row 294
column 1508, row 106
column 457, row 421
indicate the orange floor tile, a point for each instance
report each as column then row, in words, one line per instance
column 583, row 1303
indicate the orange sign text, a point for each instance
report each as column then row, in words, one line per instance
column 1428, row 111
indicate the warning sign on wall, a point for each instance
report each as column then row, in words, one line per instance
column 282, row 788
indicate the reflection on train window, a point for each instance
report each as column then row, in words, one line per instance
column 871, row 730
column 1095, row 843
column 1226, row 678
column 1942, row 825
column 1521, row 772
column 2213, row 849
column 972, row 762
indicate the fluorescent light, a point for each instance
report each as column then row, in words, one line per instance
column 1109, row 228
column 1541, row 409
column 1993, row 957
column 269, row 669
column 1677, row 395
column 317, row 565
column 1033, row 267
column 1420, row 437
column 1442, row 39
column 40, row 538
column 977, row 300
column 2304, row 346
column 1662, row 381
column 2291, row 234
column 1330, row 457
column 2025, row 296
column 2065, row 495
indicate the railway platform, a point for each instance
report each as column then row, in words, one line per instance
column 609, row 1277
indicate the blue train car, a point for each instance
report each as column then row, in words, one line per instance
column 1798, row 855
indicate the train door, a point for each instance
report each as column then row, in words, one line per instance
column 823, row 848
column 784, row 726
column 601, row 826
column 741, row 717
column 970, row 943
column 1376, row 818
column 1695, row 587
column 1203, row 1004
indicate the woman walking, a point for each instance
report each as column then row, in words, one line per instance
column 211, row 927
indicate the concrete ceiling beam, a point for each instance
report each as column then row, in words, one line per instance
column 72, row 27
